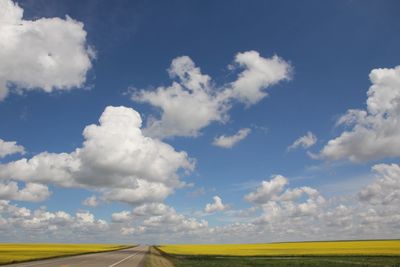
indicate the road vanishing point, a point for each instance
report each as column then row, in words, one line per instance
column 132, row 257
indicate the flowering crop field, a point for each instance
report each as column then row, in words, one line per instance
column 328, row 248
column 10, row 253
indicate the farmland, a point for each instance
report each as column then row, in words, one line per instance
column 10, row 253
column 316, row 261
column 333, row 248
column 338, row 253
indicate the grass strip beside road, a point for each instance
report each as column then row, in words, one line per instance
column 328, row 248
column 156, row 258
column 13, row 253
column 309, row 261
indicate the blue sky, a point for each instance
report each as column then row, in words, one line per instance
column 117, row 53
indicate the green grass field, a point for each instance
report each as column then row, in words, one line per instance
column 315, row 261
column 10, row 253
column 329, row 254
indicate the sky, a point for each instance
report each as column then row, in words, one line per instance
column 199, row 121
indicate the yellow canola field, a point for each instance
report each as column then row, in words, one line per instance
column 10, row 253
column 332, row 248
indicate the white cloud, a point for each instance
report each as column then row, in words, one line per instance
column 193, row 101
column 9, row 148
column 217, row 205
column 268, row 190
column 304, row 141
column 31, row 192
column 91, row 201
column 187, row 106
column 375, row 132
column 47, row 54
column 385, row 189
column 120, row 217
column 156, row 220
column 285, row 213
column 172, row 222
column 378, row 203
column 32, row 225
column 259, row 73
column 152, row 209
column 278, row 203
column 116, row 159
column 303, row 213
column 142, row 192
column 229, row 141
column 128, row 230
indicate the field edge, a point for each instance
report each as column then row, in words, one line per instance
column 64, row 256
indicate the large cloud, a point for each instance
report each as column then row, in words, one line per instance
column 47, row 54
column 32, row 192
column 386, row 189
column 187, row 106
column 9, row 148
column 193, row 101
column 378, row 210
column 375, row 132
column 115, row 159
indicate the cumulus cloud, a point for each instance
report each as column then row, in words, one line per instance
column 33, row 225
column 302, row 212
column 279, row 204
column 152, row 209
column 304, row 141
column 278, row 213
column 120, row 217
column 128, row 230
column 150, row 221
column 378, row 203
column 9, row 148
column 143, row 211
column 47, row 54
column 373, row 133
column 285, row 213
column 115, row 159
column 283, row 210
column 385, row 189
column 229, row 141
column 193, row 101
column 173, row 222
column 268, row 190
column 91, row 201
column 259, row 73
column 217, row 205
column 187, row 106
column 155, row 220
column 143, row 192
column 31, row 192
